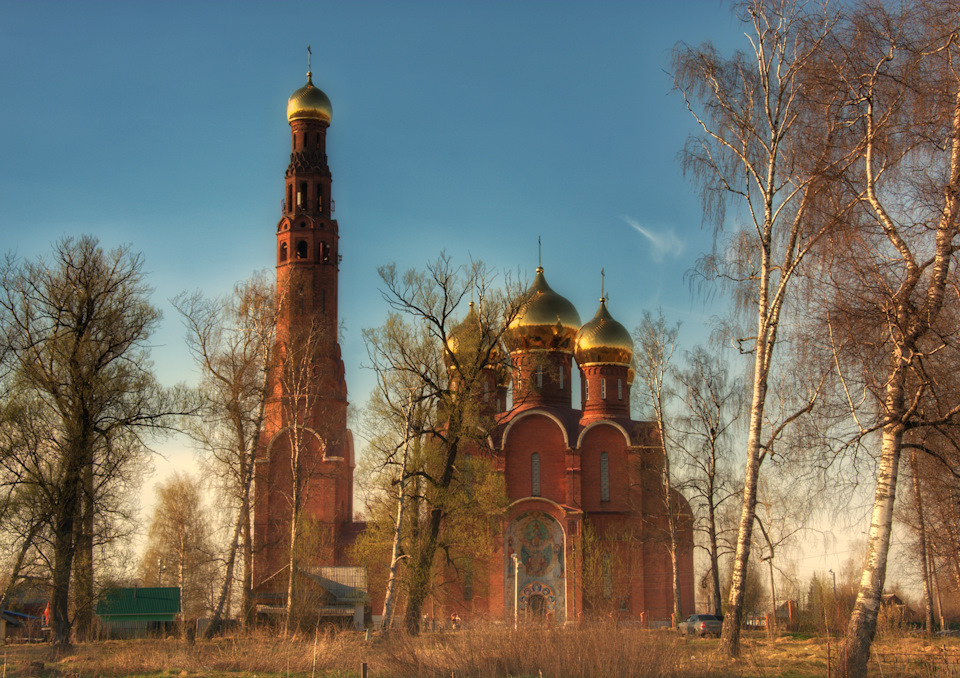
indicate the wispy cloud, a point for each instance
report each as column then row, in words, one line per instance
column 663, row 244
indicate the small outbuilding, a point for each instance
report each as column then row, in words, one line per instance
column 135, row 612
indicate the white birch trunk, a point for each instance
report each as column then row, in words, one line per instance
column 395, row 556
column 863, row 621
column 730, row 635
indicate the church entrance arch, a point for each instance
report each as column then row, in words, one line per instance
column 539, row 542
column 537, row 606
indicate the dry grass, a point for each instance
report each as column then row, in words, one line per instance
column 576, row 652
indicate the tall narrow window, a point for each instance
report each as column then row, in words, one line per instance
column 302, row 194
column 604, row 477
column 603, row 388
column 468, row 581
column 319, row 199
column 586, row 389
column 540, row 377
column 619, row 389
column 535, row 475
column 561, row 377
column 325, row 252
column 301, row 249
column 283, row 251
column 289, row 197
column 607, row 576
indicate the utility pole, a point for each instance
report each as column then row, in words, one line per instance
column 836, row 604
column 516, row 591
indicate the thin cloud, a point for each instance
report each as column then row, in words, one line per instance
column 663, row 245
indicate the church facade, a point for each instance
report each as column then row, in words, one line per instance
column 586, row 530
column 585, row 527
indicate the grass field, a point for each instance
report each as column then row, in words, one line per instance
column 588, row 651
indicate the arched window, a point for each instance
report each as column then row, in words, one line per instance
column 283, row 251
column 325, row 253
column 301, row 249
column 535, row 475
column 604, row 477
column 302, row 194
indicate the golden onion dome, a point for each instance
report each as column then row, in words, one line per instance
column 469, row 340
column 545, row 320
column 309, row 103
column 604, row 340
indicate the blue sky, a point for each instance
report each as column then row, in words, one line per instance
column 470, row 128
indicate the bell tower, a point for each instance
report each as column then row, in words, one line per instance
column 304, row 464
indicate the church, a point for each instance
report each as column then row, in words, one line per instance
column 584, row 531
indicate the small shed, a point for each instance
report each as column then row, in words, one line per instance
column 345, row 599
column 133, row 612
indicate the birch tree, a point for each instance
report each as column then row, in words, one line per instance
column 307, row 438
column 766, row 151
column 892, row 266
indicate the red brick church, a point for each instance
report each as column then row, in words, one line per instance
column 584, row 530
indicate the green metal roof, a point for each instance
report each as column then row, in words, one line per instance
column 144, row 604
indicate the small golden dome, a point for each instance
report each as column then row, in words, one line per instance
column 545, row 320
column 468, row 339
column 309, row 103
column 604, row 340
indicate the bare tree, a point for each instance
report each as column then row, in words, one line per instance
column 891, row 267
column 763, row 146
column 416, row 352
column 232, row 339
column 402, row 480
column 75, row 333
column 306, row 436
column 178, row 539
column 916, row 522
column 712, row 402
column 24, row 516
column 657, row 343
